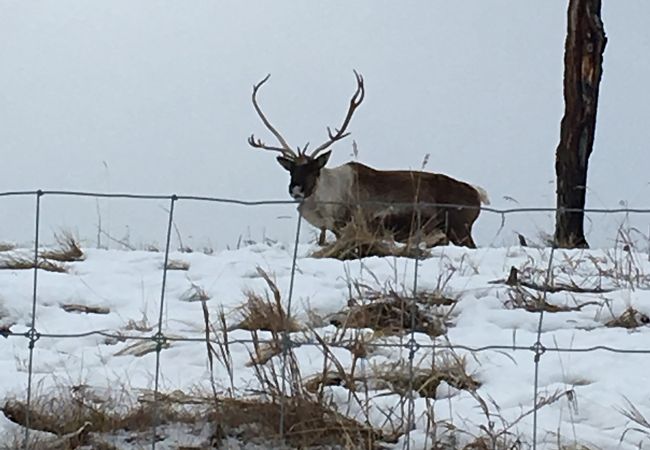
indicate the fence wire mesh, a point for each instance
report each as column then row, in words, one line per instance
column 408, row 343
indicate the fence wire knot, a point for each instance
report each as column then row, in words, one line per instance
column 33, row 336
column 413, row 347
column 286, row 344
column 539, row 350
column 160, row 339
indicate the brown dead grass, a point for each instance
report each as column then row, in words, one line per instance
column 358, row 241
column 530, row 296
column 142, row 325
column 86, row 309
column 308, row 423
column 195, row 293
column 519, row 297
column 6, row 247
column 426, row 381
column 141, row 348
column 178, row 264
column 486, row 443
column 392, row 313
column 65, row 411
column 16, row 262
column 68, row 250
column 630, row 319
column 264, row 351
column 499, row 433
column 396, row 378
column 261, row 312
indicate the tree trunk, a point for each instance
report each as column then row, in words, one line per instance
column 583, row 64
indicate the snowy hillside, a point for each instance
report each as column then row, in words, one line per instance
column 355, row 326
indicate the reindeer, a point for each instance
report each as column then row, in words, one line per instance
column 400, row 201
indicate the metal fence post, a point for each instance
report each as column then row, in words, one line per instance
column 32, row 334
column 538, row 347
column 159, row 338
column 286, row 337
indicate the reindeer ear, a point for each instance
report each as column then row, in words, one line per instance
column 322, row 159
column 286, row 163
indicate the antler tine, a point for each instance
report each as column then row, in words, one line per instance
column 258, row 143
column 341, row 132
column 285, row 149
column 303, row 151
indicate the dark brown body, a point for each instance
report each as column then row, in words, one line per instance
column 403, row 190
column 398, row 201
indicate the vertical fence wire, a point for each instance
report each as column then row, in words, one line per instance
column 538, row 347
column 159, row 337
column 412, row 344
column 286, row 338
column 32, row 334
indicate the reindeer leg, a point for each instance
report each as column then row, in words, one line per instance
column 470, row 242
column 322, row 236
column 461, row 239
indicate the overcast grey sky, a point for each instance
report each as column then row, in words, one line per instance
column 154, row 97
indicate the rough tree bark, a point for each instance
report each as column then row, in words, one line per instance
column 583, row 59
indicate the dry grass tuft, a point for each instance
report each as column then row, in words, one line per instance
column 640, row 423
column 264, row 313
column 392, row 313
column 506, row 442
column 426, row 381
column 521, row 298
column 310, row 421
column 177, row 264
column 94, row 420
column 263, row 352
column 396, row 378
column 630, row 319
column 16, row 262
column 531, row 296
column 86, row 309
column 142, row 325
column 359, row 241
column 499, row 433
column 7, row 246
column 623, row 264
column 67, row 411
column 308, row 424
column 142, row 347
column 152, row 248
column 195, row 293
column 69, row 249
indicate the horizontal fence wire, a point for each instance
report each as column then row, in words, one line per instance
column 305, row 343
column 233, row 201
column 288, row 342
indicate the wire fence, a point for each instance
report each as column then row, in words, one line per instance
column 32, row 336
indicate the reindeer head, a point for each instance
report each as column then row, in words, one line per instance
column 304, row 171
column 305, row 168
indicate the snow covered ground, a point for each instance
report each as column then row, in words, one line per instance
column 586, row 391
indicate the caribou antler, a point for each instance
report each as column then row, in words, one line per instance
column 341, row 132
column 286, row 151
